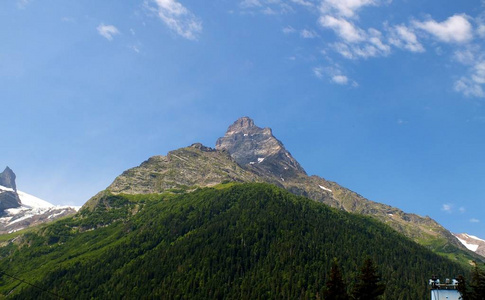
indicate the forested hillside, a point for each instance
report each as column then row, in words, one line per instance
column 235, row 241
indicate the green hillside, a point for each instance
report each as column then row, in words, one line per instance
column 235, row 241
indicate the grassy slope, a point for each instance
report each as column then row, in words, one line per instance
column 237, row 241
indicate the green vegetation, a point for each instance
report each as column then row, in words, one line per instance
column 236, row 241
column 476, row 289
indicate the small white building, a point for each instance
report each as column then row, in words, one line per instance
column 444, row 291
column 445, row 295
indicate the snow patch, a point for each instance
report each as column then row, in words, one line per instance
column 282, row 179
column 5, row 189
column 325, row 189
column 58, row 214
column 390, row 215
column 471, row 247
column 15, row 230
column 474, row 237
column 32, row 201
column 260, row 160
column 245, row 134
column 251, row 162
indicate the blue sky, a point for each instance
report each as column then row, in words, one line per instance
column 384, row 97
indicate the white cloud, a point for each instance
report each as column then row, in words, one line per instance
column 344, row 50
column 343, row 28
column 345, row 8
column 462, row 209
column 340, row 79
column 465, row 56
column 447, row 208
column 107, row 31
column 404, row 38
column 481, row 30
column 308, row 34
column 269, row 11
column 250, row 3
column 473, row 220
column 334, row 74
column 303, row 2
column 288, row 30
column 318, row 71
column 178, row 18
column 23, row 3
column 479, row 73
column 455, row 29
column 469, row 88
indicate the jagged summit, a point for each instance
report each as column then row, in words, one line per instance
column 8, row 191
column 257, row 149
column 7, row 179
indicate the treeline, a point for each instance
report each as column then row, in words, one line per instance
column 475, row 288
column 369, row 285
column 246, row 241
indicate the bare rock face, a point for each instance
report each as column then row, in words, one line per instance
column 472, row 243
column 8, row 190
column 8, row 199
column 19, row 210
column 7, row 179
column 258, row 150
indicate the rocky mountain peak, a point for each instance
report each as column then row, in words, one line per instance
column 8, row 190
column 7, row 179
column 257, row 149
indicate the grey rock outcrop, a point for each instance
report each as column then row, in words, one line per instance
column 8, row 190
column 8, row 199
column 7, row 179
column 257, row 149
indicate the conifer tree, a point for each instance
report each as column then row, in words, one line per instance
column 335, row 286
column 477, row 283
column 463, row 288
column 369, row 285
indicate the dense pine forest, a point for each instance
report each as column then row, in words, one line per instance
column 235, row 241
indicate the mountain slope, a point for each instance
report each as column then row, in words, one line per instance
column 248, row 153
column 20, row 210
column 473, row 243
column 235, row 241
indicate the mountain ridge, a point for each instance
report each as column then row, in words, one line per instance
column 20, row 210
column 247, row 153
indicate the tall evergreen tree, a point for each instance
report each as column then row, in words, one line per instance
column 336, row 288
column 477, row 283
column 463, row 288
column 369, row 285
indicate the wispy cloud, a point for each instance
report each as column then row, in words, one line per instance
column 334, row 74
column 269, row 7
column 462, row 209
column 354, row 41
column 23, row 3
column 473, row 220
column 107, row 31
column 455, row 29
column 343, row 28
column 308, row 34
column 405, row 38
column 250, row 3
column 469, row 88
column 288, row 30
column 177, row 17
column 345, row 8
column 303, row 2
column 447, row 208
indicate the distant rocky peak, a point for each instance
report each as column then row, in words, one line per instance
column 256, row 148
column 7, row 179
